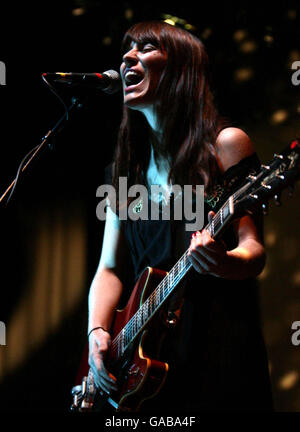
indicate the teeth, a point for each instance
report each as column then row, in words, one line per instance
column 130, row 73
column 132, row 77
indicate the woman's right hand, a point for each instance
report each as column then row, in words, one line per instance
column 99, row 341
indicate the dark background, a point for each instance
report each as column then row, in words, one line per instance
column 50, row 236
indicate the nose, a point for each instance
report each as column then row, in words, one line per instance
column 130, row 57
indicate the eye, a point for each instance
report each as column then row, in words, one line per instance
column 148, row 47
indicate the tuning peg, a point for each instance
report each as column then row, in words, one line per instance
column 278, row 156
column 251, row 178
column 266, row 186
column 265, row 208
column 277, row 199
column 266, row 167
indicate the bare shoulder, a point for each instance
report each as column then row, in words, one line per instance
column 232, row 145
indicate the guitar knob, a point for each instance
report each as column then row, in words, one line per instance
column 84, row 386
column 76, row 390
column 171, row 319
column 77, row 398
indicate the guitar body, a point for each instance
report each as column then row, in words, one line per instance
column 140, row 374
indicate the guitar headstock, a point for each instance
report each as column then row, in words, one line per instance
column 282, row 172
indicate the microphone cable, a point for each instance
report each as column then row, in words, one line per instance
column 28, row 157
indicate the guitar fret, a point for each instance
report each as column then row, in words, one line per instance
column 156, row 299
column 149, row 308
column 161, row 294
column 138, row 323
column 122, row 347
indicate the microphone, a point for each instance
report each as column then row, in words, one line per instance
column 108, row 81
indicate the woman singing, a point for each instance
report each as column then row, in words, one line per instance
column 170, row 134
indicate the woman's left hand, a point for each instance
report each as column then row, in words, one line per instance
column 207, row 255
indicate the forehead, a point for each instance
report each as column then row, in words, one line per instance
column 140, row 38
column 134, row 44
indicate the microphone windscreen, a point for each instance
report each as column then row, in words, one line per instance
column 114, row 81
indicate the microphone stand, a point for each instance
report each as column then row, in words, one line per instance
column 75, row 104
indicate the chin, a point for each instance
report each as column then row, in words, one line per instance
column 137, row 102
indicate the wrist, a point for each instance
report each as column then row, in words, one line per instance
column 97, row 328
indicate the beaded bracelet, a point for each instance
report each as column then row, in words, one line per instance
column 96, row 328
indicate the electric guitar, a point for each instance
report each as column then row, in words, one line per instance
column 138, row 330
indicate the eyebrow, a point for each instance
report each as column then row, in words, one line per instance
column 141, row 40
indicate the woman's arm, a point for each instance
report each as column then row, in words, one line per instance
column 106, row 287
column 104, row 296
column 248, row 258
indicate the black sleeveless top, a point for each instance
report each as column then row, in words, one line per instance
column 152, row 242
column 216, row 355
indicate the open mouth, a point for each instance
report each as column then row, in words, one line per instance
column 133, row 78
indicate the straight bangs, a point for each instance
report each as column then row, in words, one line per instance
column 141, row 33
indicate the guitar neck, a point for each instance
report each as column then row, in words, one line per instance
column 158, row 297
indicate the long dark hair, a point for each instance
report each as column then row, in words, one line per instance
column 185, row 111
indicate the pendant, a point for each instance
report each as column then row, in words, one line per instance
column 138, row 207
